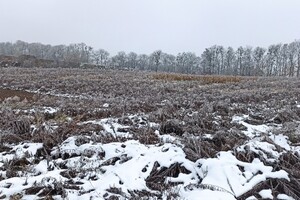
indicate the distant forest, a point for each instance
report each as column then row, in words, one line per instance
column 276, row 60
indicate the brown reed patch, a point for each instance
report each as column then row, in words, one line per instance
column 204, row 79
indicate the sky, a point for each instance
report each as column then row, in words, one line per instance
column 144, row 26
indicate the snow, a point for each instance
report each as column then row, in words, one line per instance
column 129, row 173
column 110, row 126
column 238, row 118
column 251, row 198
column 207, row 194
column 252, row 130
column 167, row 138
column 26, row 148
column 224, row 172
column 50, row 110
column 284, row 197
column 106, row 105
column 266, row 194
column 208, row 136
column 281, row 140
column 127, row 165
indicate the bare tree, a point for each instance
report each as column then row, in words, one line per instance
column 168, row 62
column 248, row 62
column 239, row 70
column 258, row 58
column 229, row 61
column 100, row 57
column 143, row 62
column 292, row 58
column 119, row 61
column 297, row 44
column 132, row 60
column 156, row 55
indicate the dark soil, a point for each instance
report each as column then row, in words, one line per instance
column 8, row 93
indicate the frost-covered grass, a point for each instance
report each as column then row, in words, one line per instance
column 96, row 134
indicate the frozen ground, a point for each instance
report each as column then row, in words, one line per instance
column 83, row 168
column 224, row 141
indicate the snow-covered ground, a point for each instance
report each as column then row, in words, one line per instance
column 82, row 167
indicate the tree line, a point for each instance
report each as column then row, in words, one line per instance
column 276, row 60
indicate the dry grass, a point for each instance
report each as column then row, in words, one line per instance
column 157, row 178
column 202, row 79
column 17, row 95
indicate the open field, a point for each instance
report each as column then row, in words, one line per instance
column 105, row 134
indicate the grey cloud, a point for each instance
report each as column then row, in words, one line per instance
column 146, row 25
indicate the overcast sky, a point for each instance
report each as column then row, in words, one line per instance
column 143, row 26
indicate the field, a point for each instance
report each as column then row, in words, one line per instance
column 105, row 134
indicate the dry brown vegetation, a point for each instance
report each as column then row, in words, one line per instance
column 206, row 105
column 202, row 79
column 15, row 95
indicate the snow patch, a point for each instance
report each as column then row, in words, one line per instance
column 266, row 194
column 281, row 140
